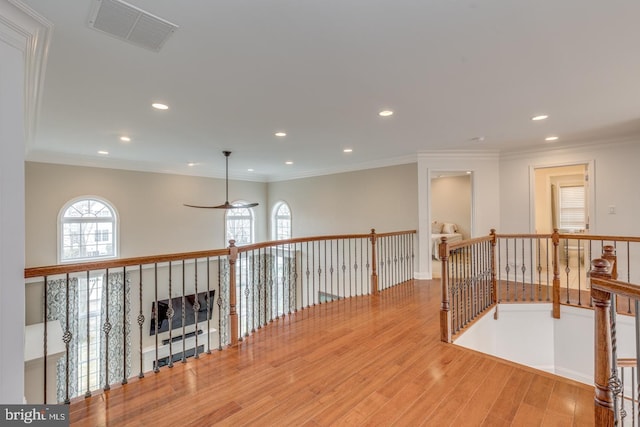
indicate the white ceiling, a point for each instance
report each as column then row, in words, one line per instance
column 236, row 71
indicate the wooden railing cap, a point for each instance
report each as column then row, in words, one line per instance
column 600, row 266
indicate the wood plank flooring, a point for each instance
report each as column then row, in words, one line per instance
column 363, row 361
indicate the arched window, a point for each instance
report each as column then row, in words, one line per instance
column 239, row 225
column 88, row 230
column 282, row 221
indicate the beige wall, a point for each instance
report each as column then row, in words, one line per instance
column 451, row 202
column 150, row 208
column 153, row 219
column 354, row 202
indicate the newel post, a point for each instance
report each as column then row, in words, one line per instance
column 233, row 314
column 374, row 263
column 603, row 409
column 555, row 238
column 445, row 307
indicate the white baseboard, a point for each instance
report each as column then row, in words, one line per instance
column 574, row 375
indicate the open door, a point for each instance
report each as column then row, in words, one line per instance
column 562, row 199
column 562, row 196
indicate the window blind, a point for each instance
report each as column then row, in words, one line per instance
column 572, row 207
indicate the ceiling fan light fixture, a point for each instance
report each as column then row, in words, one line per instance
column 226, row 204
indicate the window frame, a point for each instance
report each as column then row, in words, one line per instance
column 113, row 220
column 275, row 217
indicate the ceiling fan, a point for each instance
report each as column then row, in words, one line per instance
column 226, row 204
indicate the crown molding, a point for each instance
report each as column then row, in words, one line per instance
column 569, row 148
column 395, row 161
column 459, row 154
column 30, row 32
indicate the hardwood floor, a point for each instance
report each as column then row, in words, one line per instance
column 362, row 361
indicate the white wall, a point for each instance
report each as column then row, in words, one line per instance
column 16, row 30
column 150, row 208
column 614, row 179
column 527, row 334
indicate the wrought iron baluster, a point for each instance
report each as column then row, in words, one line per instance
column 531, row 282
column 196, row 306
column 106, row 329
column 615, row 384
column 219, row 301
column 183, row 315
column 170, row 314
column 345, row 257
column 45, row 301
column 124, row 325
column 156, row 368
column 88, row 368
column 140, row 318
column 254, row 285
column 66, row 338
column 294, row 285
column 209, row 307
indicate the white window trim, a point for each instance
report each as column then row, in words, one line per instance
column 116, row 231
column 274, row 220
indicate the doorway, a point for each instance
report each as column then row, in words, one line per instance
column 561, row 199
column 451, row 210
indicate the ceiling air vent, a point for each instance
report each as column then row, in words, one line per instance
column 130, row 24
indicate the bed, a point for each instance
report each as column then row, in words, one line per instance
column 440, row 230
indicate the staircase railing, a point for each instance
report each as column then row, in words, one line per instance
column 91, row 325
column 526, row 268
column 613, row 393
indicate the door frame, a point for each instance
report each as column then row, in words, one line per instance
column 589, row 184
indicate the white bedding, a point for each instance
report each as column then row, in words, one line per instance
column 436, row 239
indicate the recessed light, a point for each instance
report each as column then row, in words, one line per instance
column 104, row 153
column 348, row 150
column 288, row 163
column 540, row 117
column 468, row 172
column 159, row 106
column 551, row 138
column 125, row 139
column 249, row 170
column 280, row 134
column 477, row 139
column 191, row 164
column 385, row 113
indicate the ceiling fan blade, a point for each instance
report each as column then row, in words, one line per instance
column 226, row 204
column 202, row 207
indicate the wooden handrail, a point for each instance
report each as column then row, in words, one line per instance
column 53, row 270
column 253, row 246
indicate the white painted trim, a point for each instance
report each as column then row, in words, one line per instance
column 591, row 195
